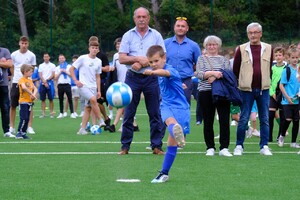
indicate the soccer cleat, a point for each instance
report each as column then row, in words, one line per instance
column 25, row 137
column 82, row 132
column 60, row 116
column 123, row 152
column 238, row 151
column 9, row 134
column 266, row 151
column 136, row 128
column 161, row 178
column 178, row 135
column 111, row 128
column 294, row 145
column 30, row 130
column 65, row 114
column 73, row 116
column 158, row 151
column 210, row 152
column 225, row 152
column 280, row 141
column 19, row 136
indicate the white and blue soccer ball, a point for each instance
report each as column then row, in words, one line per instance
column 88, row 126
column 95, row 129
column 119, row 95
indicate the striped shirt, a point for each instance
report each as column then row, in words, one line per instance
column 203, row 65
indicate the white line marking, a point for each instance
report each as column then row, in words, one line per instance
column 116, row 153
column 128, row 180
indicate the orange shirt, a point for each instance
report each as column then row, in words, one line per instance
column 25, row 96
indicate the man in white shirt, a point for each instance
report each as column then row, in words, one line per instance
column 20, row 57
column 46, row 74
column 62, row 75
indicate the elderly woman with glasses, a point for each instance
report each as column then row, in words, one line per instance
column 208, row 70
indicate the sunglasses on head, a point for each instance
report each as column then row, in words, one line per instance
column 181, row 18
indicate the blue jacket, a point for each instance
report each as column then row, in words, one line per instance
column 226, row 88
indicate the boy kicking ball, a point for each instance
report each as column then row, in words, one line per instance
column 175, row 110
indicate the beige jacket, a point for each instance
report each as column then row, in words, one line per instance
column 246, row 70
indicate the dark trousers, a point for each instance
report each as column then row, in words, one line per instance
column 4, row 105
column 24, row 117
column 62, row 89
column 209, row 109
column 149, row 86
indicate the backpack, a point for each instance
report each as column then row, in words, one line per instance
column 278, row 91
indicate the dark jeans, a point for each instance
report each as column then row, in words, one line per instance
column 149, row 86
column 24, row 117
column 62, row 89
column 209, row 109
column 4, row 105
column 262, row 100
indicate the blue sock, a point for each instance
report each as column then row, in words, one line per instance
column 170, row 128
column 169, row 159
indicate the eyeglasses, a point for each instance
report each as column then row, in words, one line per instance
column 181, row 18
column 254, row 33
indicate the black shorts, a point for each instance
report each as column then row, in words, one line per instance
column 274, row 104
column 291, row 112
column 14, row 95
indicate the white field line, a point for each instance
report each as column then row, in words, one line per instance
column 102, row 142
column 116, row 153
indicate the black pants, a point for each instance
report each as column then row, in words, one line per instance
column 4, row 105
column 62, row 89
column 209, row 109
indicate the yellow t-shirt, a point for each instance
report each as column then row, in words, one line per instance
column 25, row 96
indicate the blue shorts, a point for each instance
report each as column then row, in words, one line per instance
column 254, row 107
column 182, row 116
column 47, row 91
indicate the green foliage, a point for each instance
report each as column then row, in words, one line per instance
column 73, row 22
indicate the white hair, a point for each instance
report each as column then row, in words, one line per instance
column 254, row 24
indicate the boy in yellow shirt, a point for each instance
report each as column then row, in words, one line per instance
column 27, row 95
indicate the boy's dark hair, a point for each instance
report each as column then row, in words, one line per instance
column 93, row 41
column 24, row 38
column 26, row 68
column 280, row 50
column 155, row 49
column 75, row 56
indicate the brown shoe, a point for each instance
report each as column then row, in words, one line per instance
column 123, row 152
column 158, row 151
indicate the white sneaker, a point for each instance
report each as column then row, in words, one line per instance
column 65, row 114
column 9, row 134
column 266, row 151
column 75, row 113
column 298, row 152
column 210, row 152
column 149, row 148
column 82, row 132
column 73, row 116
column 217, row 137
column 30, row 130
column 233, row 123
column 225, row 152
column 256, row 133
column 81, row 114
column 178, row 135
column 280, row 141
column 249, row 132
column 111, row 116
column 238, row 151
column 12, row 130
column 60, row 116
column 295, row 145
column 161, row 178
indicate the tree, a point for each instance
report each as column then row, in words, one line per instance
column 22, row 18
